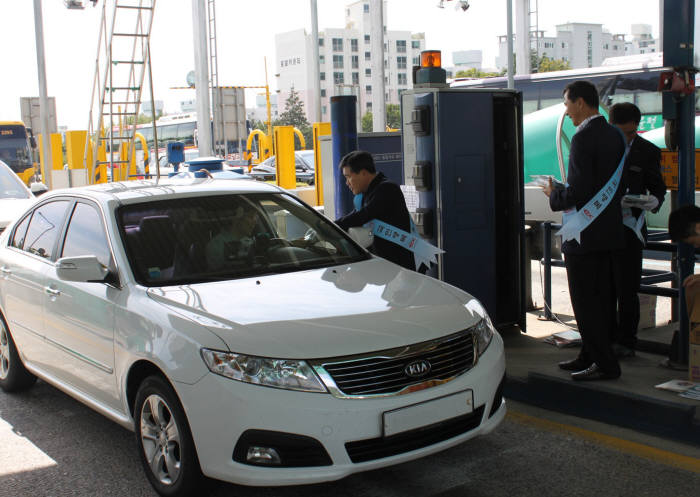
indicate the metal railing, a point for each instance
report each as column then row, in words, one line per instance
column 650, row 277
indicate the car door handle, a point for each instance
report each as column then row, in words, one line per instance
column 52, row 291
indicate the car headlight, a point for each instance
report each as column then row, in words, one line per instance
column 289, row 374
column 483, row 333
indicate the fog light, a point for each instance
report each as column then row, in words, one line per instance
column 263, row 455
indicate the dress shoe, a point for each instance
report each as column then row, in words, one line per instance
column 622, row 351
column 574, row 365
column 593, row 373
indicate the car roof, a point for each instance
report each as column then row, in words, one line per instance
column 128, row 192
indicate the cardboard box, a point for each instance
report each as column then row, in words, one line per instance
column 694, row 363
column 647, row 311
column 695, row 334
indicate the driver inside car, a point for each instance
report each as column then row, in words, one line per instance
column 233, row 246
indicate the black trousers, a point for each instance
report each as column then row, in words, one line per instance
column 591, row 289
column 627, row 266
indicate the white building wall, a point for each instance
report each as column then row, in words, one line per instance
column 294, row 66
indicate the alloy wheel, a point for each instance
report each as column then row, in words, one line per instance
column 160, row 439
column 4, row 352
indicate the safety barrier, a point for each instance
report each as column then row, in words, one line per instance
column 650, row 277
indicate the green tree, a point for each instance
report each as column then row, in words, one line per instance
column 476, row 73
column 294, row 115
column 393, row 116
column 547, row 64
column 367, row 122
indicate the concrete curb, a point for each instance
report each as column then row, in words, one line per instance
column 602, row 402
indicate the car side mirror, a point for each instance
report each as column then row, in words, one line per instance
column 38, row 189
column 83, row 268
column 362, row 236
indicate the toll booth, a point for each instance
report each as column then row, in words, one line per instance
column 462, row 152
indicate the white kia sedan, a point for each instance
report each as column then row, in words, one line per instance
column 240, row 334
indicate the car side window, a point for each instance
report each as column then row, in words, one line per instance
column 20, row 233
column 86, row 235
column 44, row 228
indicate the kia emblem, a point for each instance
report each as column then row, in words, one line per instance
column 416, row 369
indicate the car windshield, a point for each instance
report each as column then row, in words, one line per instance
column 11, row 186
column 196, row 239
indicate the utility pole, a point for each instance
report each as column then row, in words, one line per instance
column 376, row 13
column 43, row 95
column 509, row 44
column 522, row 33
column 316, row 75
column 201, row 70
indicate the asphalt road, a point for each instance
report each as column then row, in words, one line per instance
column 51, row 445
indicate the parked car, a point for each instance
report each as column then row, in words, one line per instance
column 240, row 334
column 303, row 162
column 15, row 197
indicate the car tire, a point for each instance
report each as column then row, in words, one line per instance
column 164, row 440
column 14, row 377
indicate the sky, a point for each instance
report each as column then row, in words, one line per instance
column 245, row 36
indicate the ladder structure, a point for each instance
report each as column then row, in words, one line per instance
column 123, row 57
column 220, row 146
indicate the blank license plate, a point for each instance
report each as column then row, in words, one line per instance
column 427, row 413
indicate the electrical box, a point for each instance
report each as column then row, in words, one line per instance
column 176, row 152
column 463, row 156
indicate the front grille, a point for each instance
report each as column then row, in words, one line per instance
column 383, row 373
column 376, row 448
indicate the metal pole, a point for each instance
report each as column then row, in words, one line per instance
column 547, row 262
column 199, row 19
column 509, row 45
column 316, row 73
column 376, row 13
column 522, row 32
column 43, row 94
column 153, row 115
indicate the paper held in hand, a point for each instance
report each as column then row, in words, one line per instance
column 543, row 180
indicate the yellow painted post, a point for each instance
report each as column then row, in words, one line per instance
column 319, row 129
column 284, row 145
column 75, row 148
column 56, row 153
column 100, row 169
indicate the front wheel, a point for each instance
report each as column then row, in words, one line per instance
column 14, row 377
column 164, row 439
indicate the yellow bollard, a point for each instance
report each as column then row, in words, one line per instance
column 284, row 145
column 319, row 129
column 56, row 153
column 75, row 148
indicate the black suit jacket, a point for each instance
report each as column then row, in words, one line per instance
column 384, row 201
column 643, row 173
column 596, row 151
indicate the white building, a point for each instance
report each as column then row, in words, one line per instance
column 259, row 112
column 586, row 45
column 345, row 58
column 467, row 59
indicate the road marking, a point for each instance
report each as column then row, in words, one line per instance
column 657, row 455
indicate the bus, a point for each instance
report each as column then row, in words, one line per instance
column 16, row 146
column 634, row 82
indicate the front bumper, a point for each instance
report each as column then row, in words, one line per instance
column 221, row 410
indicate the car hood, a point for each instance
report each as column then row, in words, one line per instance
column 12, row 208
column 343, row 310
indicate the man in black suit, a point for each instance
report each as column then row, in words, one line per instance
column 596, row 151
column 642, row 174
column 382, row 200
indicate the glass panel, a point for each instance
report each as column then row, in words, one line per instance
column 11, row 186
column 44, row 227
column 207, row 238
column 86, row 235
column 20, row 233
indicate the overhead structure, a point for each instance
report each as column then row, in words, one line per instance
column 123, row 57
